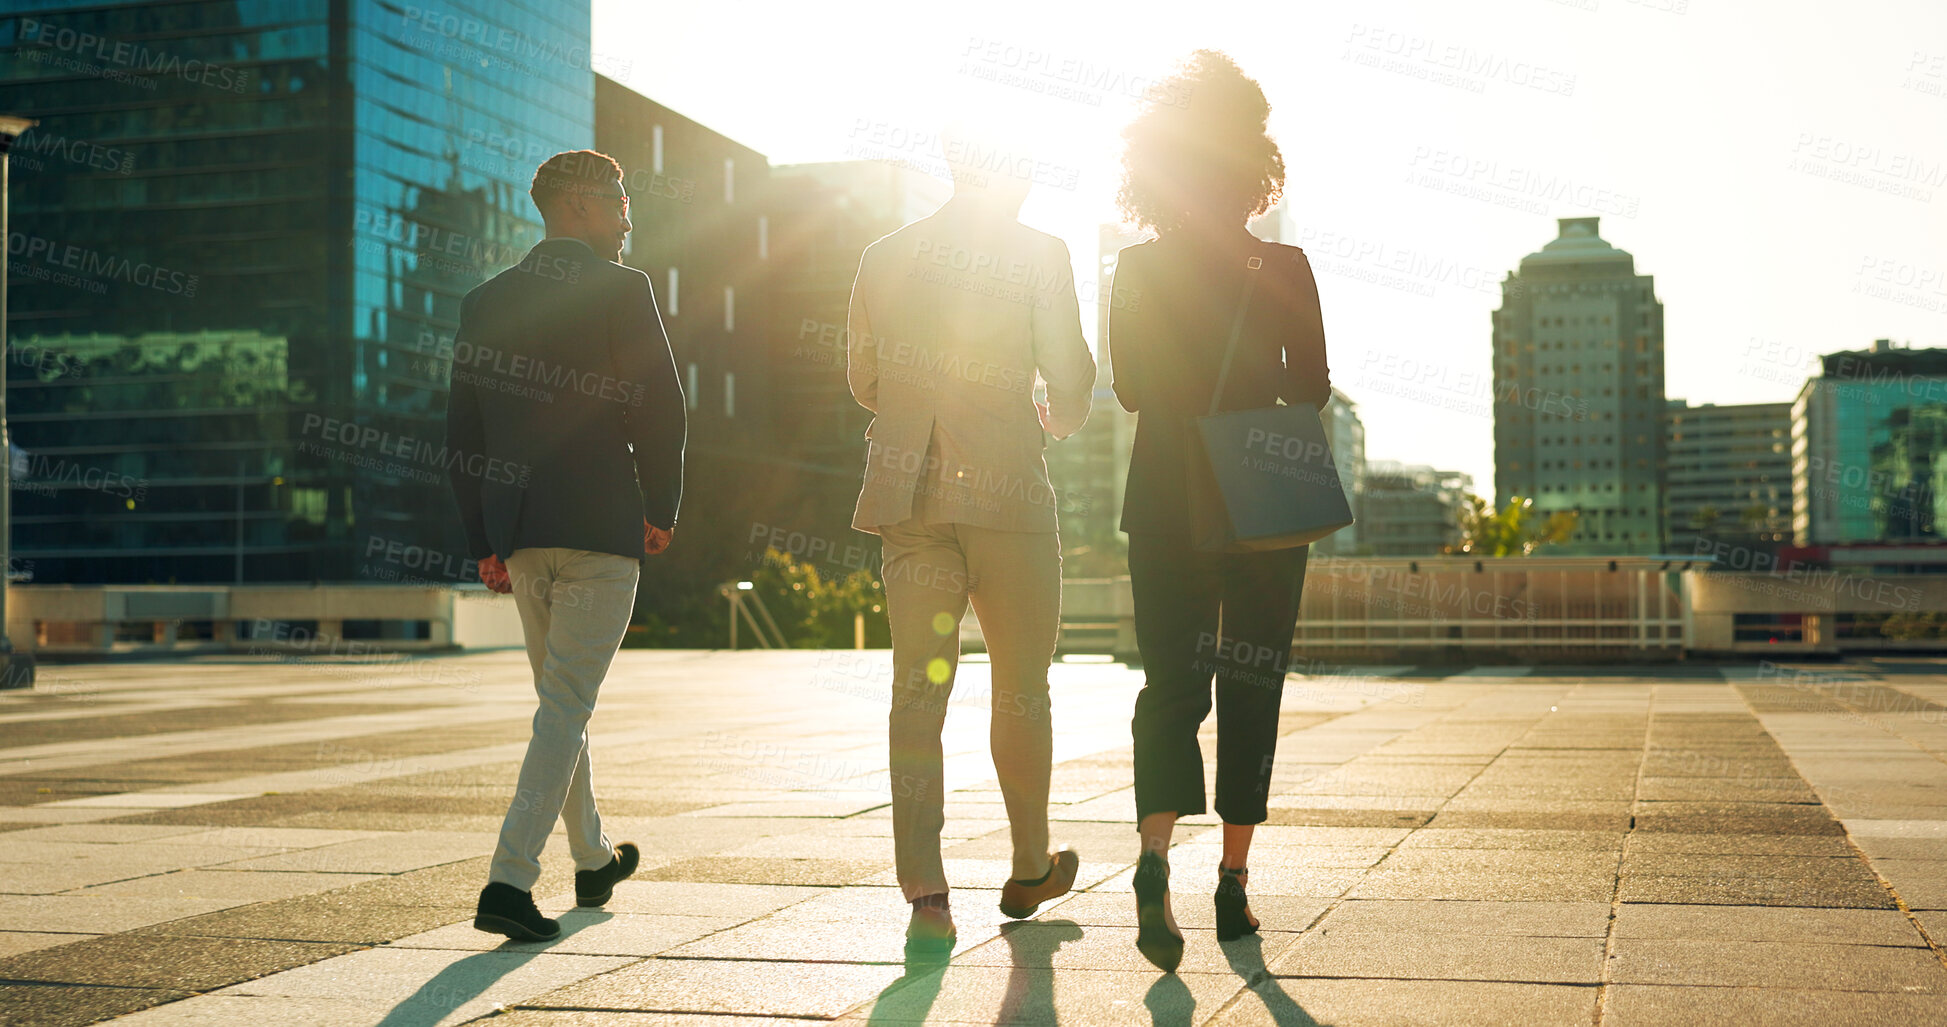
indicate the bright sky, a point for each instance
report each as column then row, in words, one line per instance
column 1780, row 168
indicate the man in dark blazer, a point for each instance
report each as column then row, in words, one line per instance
column 564, row 440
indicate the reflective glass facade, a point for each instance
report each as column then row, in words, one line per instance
column 239, row 240
column 1869, row 449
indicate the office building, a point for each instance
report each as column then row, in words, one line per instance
column 1578, row 391
column 1090, row 468
column 1729, row 476
column 1410, row 509
column 702, row 235
column 822, row 217
column 1346, row 435
column 241, row 316
column 1869, row 448
column 699, row 204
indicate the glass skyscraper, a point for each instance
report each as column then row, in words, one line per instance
column 1869, row 448
column 240, row 236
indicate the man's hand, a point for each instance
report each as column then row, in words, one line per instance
column 1041, row 411
column 493, row 574
column 654, row 539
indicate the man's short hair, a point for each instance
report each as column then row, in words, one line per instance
column 572, row 172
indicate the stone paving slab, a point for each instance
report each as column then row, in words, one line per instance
column 1796, row 964
column 1007, row 995
column 772, row 987
column 1636, row 1005
column 1491, row 919
column 1426, row 955
column 180, row 964
column 41, row 1005
column 1563, row 846
column 1358, row 1003
column 431, row 985
column 13, row 943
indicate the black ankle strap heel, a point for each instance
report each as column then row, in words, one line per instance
column 1233, row 922
column 1154, row 939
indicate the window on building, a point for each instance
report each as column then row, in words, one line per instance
column 656, row 149
column 763, row 237
column 1768, row 627
column 729, row 394
column 670, row 300
column 693, row 384
column 729, row 180
column 729, row 308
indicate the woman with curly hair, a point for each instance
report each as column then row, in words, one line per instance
column 1198, row 167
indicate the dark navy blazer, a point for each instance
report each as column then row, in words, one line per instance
column 564, row 418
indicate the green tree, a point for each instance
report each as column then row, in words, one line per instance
column 1516, row 529
column 816, row 611
column 1755, row 519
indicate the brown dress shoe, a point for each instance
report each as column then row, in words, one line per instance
column 1019, row 899
column 930, row 934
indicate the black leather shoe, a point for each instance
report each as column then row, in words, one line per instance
column 594, row 887
column 505, row 909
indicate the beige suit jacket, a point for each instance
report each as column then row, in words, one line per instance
column 951, row 319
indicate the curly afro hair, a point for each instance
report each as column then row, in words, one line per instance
column 1198, row 151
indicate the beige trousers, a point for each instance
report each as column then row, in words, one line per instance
column 1013, row 579
column 574, row 606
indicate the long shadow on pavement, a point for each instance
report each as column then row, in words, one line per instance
column 1030, row 994
column 917, row 988
column 468, row 978
column 1246, row 956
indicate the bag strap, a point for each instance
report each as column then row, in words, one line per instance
column 1236, row 328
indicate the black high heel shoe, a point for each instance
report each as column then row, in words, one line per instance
column 1233, row 918
column 1154, row 939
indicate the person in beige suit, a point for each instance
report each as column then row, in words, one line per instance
column 951, row 318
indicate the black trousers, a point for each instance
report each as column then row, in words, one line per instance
column 1202, row 615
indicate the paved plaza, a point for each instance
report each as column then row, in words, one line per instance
column 234, row 841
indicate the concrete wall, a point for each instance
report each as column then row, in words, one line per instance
column 81, row 619
column 1809, row 607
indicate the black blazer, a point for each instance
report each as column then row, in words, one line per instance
column 1175, row 299
column 564, row 416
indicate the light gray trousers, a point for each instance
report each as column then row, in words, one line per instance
column 574, row 606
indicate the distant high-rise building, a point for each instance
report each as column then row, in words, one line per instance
column 1869, row 448
column 821, row 219
column 1090, row 469
column 1410, row 510
column 702, row 235
column 241, row 233
column 1346, row 435
column 1578, row 391
column 698, row 203
column 1729, row 474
